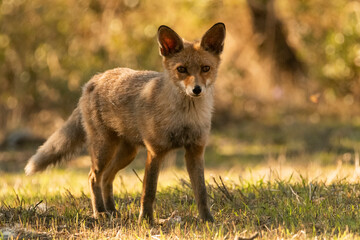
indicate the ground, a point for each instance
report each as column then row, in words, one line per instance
column 263, row 181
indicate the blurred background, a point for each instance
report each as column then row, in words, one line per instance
column 288, row 88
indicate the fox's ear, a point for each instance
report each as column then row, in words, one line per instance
column 213, row 39
column 170, row 42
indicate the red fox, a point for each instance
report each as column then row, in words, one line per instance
column 122, row 109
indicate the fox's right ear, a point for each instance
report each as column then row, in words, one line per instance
column 170, row 42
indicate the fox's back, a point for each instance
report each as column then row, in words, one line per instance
column 110, row 99
column 140, row 105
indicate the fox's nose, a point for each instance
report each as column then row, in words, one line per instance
column 197, row 90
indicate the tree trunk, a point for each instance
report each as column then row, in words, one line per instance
column 273, row 42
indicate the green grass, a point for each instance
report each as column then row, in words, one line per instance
column 56, row 204
column 282, row 181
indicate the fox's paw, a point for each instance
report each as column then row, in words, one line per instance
column 148, row 218
column 102, row 215
column 207, row 217
column 114, row 214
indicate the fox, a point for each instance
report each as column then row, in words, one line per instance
column 122, row 110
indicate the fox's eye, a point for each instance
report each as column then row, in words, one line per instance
column 181, row 69
column 205, row 68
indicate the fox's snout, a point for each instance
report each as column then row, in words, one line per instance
column 193, row 86
column 197, row 90
column 194, row 89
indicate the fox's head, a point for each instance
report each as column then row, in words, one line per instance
column 192, row 66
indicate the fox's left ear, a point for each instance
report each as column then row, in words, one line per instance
column 213, row 39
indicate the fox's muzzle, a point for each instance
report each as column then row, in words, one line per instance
column 197, row 90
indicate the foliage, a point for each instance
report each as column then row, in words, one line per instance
column 329, row 33
column 48, row 50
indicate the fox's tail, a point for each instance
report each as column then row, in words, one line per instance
column 61, row 145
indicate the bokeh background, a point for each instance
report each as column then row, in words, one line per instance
column 288, row 88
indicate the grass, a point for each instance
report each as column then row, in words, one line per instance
column 279, row 183
column 56, row 204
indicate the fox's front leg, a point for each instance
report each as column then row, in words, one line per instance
column 152, row 168
column 194, row 157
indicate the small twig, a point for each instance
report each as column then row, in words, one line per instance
column 18, row 198
column 312, row 192
column 223, row 189
column 137, row 175
column 244, row 198
column 186, row 183
column 296, row 195
column 247, row 238
column 70, row 194
column 218, row 186
column 5, row 205
column 36, row 205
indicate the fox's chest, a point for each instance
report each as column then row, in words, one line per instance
column 184, row 135
column 175, row 125
column 187, row 130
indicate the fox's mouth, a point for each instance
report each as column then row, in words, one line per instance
column 195, row 95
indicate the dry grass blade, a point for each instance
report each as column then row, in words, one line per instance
column 185, row 183
column 295, row 194
column 223, row 189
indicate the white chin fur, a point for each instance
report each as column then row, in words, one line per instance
column 195, row 96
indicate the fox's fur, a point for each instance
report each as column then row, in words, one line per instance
column 121, row 110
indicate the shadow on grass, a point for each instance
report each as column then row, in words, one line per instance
column 249, row 143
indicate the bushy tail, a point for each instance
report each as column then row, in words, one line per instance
column 61, row 145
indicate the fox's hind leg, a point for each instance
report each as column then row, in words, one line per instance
column 102, row 149
column 126, row 153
